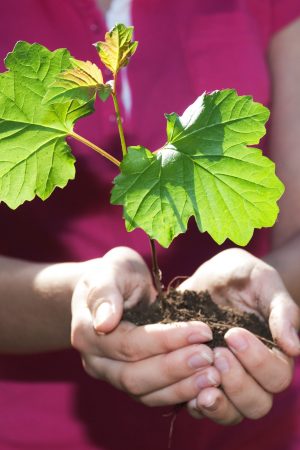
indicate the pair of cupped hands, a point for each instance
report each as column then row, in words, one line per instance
column 168, row 364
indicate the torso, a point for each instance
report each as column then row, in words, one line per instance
column 184, row 48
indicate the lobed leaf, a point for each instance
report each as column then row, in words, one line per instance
column 205, row 170
column 78, row 83
column 34, row 155
column 118, row 47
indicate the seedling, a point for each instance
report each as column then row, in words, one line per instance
column 207, row 168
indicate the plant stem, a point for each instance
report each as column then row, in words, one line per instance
column 94, row 147
column 156, row 271
column 119, row 119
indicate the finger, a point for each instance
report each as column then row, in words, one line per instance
column 121, row 276
column 99, row 300
column 248, row 397
column 192, row 409
column 213, row 404
column 270, row 368
column 192, row 283
column 160, row 371
column 106, row 304
column 284, row 323
column 133, row 276
column 143, row 377
column 131, row 343
column 83, row 336
column 183, row 391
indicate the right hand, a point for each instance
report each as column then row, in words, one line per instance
column 159, row 364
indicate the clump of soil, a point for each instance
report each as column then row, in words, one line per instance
column 190, row 305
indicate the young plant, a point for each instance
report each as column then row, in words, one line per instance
column 207, row 168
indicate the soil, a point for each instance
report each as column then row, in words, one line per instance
column 190, row 305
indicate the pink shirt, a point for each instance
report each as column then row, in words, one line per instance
column 47, row 401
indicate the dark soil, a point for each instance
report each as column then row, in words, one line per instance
column 178, row 307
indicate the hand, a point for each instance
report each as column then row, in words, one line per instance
column 157, row 364
column 250, row 372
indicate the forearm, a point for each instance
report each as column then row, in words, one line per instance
column 285, row 259
column 35, row 302
column 284, row 63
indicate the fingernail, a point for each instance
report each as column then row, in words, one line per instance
column 199, row 360
column 194, row 410
column 221, row 362
column 206, row 380
column 209, row 401
column 193, row 403
column 196, row 338
column 236, row 342
column 104, row 311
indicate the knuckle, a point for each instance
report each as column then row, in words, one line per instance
column 129, row 383
column 167, row 343
column 78, row 340
column 127, row 351
column 128, row 348
column 181, row 391
column 264, row 270
column 168, row 368
column 89, row 368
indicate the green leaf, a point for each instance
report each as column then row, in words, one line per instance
column 104, row 91
column 205, row 170
column 118, row 47
column 79, row 83
column 34, row 156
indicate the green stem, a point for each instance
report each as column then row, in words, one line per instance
column 119, row 119
column 156, row 271
column 94, row 147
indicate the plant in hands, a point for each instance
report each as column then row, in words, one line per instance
column 207, row 169
column 157, row 364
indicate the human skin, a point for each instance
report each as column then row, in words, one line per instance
column 157, row 364
column 250, row 372
column 234, row 403
column 32, row 331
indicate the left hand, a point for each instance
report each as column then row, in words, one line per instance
column 250, row 372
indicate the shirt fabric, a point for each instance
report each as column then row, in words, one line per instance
column 47, row 402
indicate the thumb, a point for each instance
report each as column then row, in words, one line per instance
column 284, row 323
column 106, row 308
